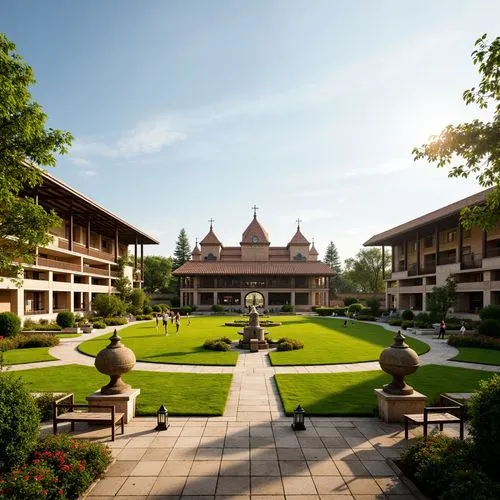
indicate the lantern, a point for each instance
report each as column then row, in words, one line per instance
column 298, row 419
column 162, row 419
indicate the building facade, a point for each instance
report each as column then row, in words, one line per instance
column 254, row 273
column 80, row 262
column 426, row 250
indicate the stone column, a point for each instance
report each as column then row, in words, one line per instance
column 292, row 298
column 487, row 290
column 216, row 297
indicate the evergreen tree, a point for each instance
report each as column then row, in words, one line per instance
column 332, row 257
column 182, row 252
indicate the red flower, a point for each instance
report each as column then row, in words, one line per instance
column 60, row 492
column 44, row 492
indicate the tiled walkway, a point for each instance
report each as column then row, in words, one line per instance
column 200, row 458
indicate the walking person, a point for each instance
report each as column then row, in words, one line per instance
column 165, row 322
column 442, row 329
column 157, row 321
column 172, row 317
column 462, row 329
column 177, row 322
column 188, row 318
column 345, row 321
column 353, row 318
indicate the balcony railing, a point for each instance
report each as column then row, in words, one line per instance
column 36, row 311
column 493, row 252
column 95, row 270
column 91, row 252
column 41, row 261
column 428, row 269
column 471, row 261
column 115, row 274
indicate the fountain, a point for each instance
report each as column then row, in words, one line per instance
column 253, row 331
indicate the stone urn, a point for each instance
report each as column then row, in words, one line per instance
column 115, row 360
column 399, row 360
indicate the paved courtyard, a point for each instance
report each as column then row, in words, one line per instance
column 251, row 452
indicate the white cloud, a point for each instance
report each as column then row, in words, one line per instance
column 77, row 160
column 88, row 173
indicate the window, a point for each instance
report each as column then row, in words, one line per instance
column 451, row 236
column 467, row 233
column 210, row 256
column 428, row 241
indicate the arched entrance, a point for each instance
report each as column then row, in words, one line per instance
column 254, row 299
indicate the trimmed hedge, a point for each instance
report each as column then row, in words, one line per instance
column 490, row 312
column 35, row 327
column 474, row 341
column 218, row 344
column 98, row 325
column 407, row 315
column 395, row 322
column 188, row 309
column 324, row 311
column 366, row 317
column 27, row 340
column 143, row 317
column 406, row 324
column 10, row 324
column 288, row 308
column 288, row 344
column 355, row 308
column 115, row 321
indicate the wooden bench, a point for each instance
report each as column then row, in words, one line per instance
column 438, row 415
column 109, row 417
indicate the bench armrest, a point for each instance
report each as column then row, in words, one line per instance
column 450, row 400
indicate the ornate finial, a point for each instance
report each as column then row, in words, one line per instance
column 196, row 242
column 255, row 208
column 399, row 341
column 313, row 242
column 211, row 220
column 115, row 341
column 298, row 221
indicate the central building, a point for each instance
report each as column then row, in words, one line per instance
column 254, row 273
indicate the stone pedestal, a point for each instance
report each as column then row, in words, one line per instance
column 392, row 407
column 254, row 345
column 123, row 403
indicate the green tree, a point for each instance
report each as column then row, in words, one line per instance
column 137, row 300
column 25, row 145
column 337, row 283
column 442, row 298
column 472, row 148
column 157, row 273
column 332, row 258
column 182, row 252
column 108, row 305
column 364, row 271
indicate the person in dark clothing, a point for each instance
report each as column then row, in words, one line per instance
column 442, row 329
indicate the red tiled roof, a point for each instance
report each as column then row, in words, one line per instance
column 447, row 211
column 196, row 250
column 210, row 239
column 255, row 229
column 298, row 239
column 191, row 268
column 313, row 250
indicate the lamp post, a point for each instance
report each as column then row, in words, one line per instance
column 298, row 419
column 162, row 419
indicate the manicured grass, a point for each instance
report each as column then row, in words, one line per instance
column 185, row 348
column 29, row 355
column 181, row 393
column 352, row 393
column 326, row 341
column 68, row 335
column 478, row 355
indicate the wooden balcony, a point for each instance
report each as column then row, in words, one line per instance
column 82, row 249
column 41, row 261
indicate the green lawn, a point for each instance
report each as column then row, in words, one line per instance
column 326, row 341
column 185, row 348
column 352, row 393
column 29, row 355
column 478, row 355
column 68, row 335
column 181, row 393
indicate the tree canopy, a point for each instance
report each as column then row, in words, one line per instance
column 365, row 270
column 157, row 273
column 332, row 258
column 442, row 298
column 25, row 146
column 473, row 148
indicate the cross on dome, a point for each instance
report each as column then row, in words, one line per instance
column 298, row 221
column 211, row 220
column 255, row 208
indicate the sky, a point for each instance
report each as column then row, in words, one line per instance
column 186, row 111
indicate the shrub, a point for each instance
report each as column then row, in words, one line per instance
column 355, row 308
column 474, row 341
column 366, row 317
column 29, row 482
column 220, row 344
column 484, row 409
column 490, row 312
column 406, row 324
column 7, row 344
column 19, row 421
column 44, row 321
column 65, row 319
column 395, row 322
column 294, row 343
column 366, row 311
column 99, row 325
column 44, row 402
column 10, row 324
column 108, row 305
column 435, row 463
column 285, row 346
column 407, row 315
column 489, row 327
column 27, row 340
column 287, row 308
column 116, row 321
column 324, row 311
column 42, row 328
column 216, row 308
column 423, row 317
column 374, row 306
column 340, row 311
column 188, row 309
column 350, row 300
column 143, row 317
column 163, row 307
column 147, row 310
column 157, row 308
